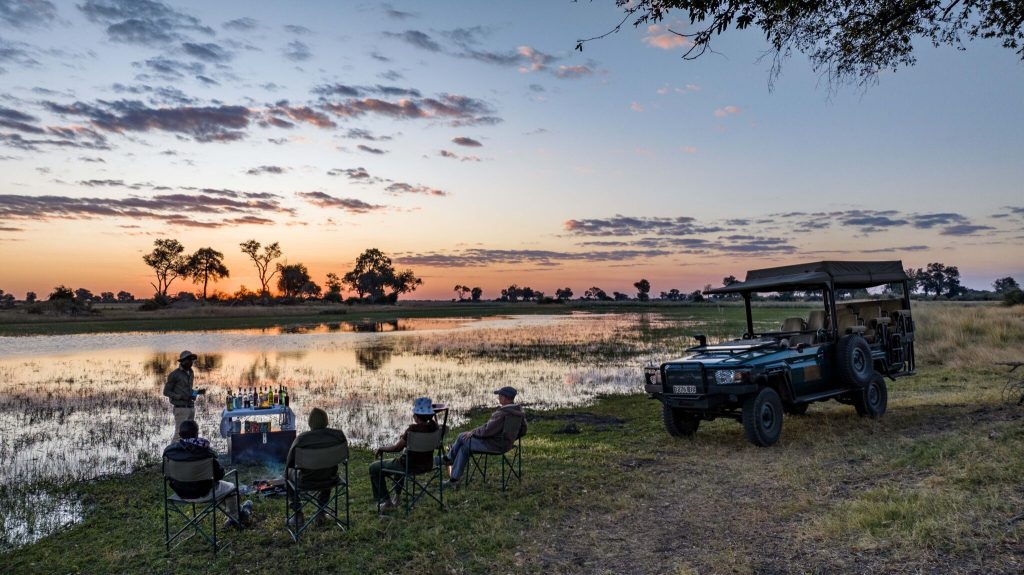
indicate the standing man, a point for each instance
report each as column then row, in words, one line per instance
column 179, row 390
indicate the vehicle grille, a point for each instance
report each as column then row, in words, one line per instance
column 684, row 374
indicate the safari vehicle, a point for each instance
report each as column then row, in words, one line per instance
column 843, row 351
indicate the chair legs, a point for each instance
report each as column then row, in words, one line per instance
column 511, row 465
column 412, row 489
column 297, row 499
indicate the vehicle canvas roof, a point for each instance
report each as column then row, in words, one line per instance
column 838, row 274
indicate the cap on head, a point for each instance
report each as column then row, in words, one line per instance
column 423, row 406
column 317, row 418
column 186, row 355
column 507, row 391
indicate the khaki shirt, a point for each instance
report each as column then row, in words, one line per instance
column 179, row 387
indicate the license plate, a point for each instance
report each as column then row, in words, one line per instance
column 684, row 389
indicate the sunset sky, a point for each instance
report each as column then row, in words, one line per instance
column 471, row 143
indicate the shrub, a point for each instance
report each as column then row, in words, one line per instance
column 1013, row 297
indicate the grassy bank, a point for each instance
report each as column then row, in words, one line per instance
column 930, row 488
column 114, row 318
column 933, row 483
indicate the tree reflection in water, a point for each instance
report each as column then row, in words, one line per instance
column 374, row 357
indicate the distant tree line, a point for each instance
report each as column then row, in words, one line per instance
column 373, row 278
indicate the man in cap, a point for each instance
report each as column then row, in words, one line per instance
column 319, row 436
column 487, row 437
column 179, row 390
column 191, row 447
column 423, row 422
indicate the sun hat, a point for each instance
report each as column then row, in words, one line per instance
column 507, row 391
column 423, row 406
column 186, row 355
column 317, row 418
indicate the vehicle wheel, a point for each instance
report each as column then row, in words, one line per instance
column 762, row 417
column 854, row 361
column 796, row 408
column 873, row 399
column 679, row 423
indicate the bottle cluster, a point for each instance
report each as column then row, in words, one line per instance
column 256, row 398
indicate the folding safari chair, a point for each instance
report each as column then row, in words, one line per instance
column 300, row 495
column 511, row 459
column 408, row 483
column 202, row 470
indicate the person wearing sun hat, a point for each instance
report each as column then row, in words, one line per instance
column 179, row 391
column 423, row 422
column 487, row 437
column 319, row 436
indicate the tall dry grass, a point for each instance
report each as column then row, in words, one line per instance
column 968, row 335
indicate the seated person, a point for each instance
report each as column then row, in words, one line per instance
column 319, row 436
column 191, row 447
column 423, row 422
column 487, row 437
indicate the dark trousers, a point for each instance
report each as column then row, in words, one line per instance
column 377, row 480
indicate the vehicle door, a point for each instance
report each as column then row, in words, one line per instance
column 808, row 370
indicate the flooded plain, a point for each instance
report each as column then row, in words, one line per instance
column 78, row 407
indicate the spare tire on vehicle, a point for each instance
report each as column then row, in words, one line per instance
column 853, row 361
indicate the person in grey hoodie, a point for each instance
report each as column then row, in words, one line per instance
column 487, row 437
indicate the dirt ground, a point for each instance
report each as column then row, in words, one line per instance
column 688, row 514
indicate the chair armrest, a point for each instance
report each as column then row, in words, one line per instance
column 235, row 472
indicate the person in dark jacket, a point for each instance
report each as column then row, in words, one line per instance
column 487, row 437
column 191, row 447
column 423, row 422
column 178, row 390
column 319, row 436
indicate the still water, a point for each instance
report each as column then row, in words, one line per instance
column 80, row 406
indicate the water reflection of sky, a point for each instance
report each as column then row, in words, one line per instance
column 80, row 406
column 83, row 405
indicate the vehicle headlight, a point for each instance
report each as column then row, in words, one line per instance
column 731, row 376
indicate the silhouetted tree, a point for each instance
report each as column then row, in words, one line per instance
column 511, row 293
column 374, row 272
column 672, row 295
column 697, row 296
column 167, row 262
column 292, row 279
column 596, row 293
column 475, row 293
column 83, row 295
column 123, row 296
column 729, row 280
column 527, row 293
column 938, row 278
column 1003, row 285
column 333, row 288
column 643, row 290
column 205, row 265
column 6, row 300
column 30, row 297
column 620, row 296
column 107, row 297
column 262, row 261
column 845, row 41
column 462, row 291
column 914, row 275
column 563, row 293
column 61, row 292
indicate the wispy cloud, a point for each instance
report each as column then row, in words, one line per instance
column 468, row 142
column 727, row 111
column 659, row 36
column 351, row 205
column 371, row 150
column 28, row 13
column 146, row 22
column 297, row 51
column 262, row 170
column 480, row 257
column 203, row 124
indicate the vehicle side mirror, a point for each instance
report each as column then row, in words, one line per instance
column 800, row 347
column 701, row 339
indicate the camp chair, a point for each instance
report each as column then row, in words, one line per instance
column 302, row 494
column 201, row 470
column 511, row 465
column 412, row 488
